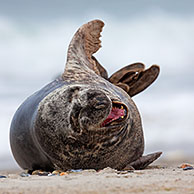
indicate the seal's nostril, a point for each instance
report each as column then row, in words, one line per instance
column 101, row 105
column 101, row 98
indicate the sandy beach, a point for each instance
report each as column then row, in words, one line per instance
column 155, row 179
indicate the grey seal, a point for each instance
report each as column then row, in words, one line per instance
column 84, row 119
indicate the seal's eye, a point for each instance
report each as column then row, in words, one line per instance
column 117, row 114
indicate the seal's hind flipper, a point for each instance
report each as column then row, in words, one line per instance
column 135, row 77
column 84, row 44
column 144, row 161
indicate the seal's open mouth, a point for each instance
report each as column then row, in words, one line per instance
column 117, row 114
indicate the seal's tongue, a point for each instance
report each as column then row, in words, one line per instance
column 115, row 114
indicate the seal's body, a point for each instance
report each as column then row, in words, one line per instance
column 83, row 119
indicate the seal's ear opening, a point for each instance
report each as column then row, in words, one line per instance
column 83, row 45
column 134, row 79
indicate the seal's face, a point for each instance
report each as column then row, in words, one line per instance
column 76, row 109
column 94, row 109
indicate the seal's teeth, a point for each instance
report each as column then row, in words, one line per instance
column 122, row 117
column 122, row 107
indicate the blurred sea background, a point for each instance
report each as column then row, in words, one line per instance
column 34, row 37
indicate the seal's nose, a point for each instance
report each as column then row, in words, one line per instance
column 98, row 100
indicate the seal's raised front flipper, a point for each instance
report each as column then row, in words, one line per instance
column 144, row 161
column 84, row 44
column 134, row 79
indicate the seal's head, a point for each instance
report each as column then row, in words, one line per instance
column 95, row 109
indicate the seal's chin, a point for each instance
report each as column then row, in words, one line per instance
column 117, row 114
